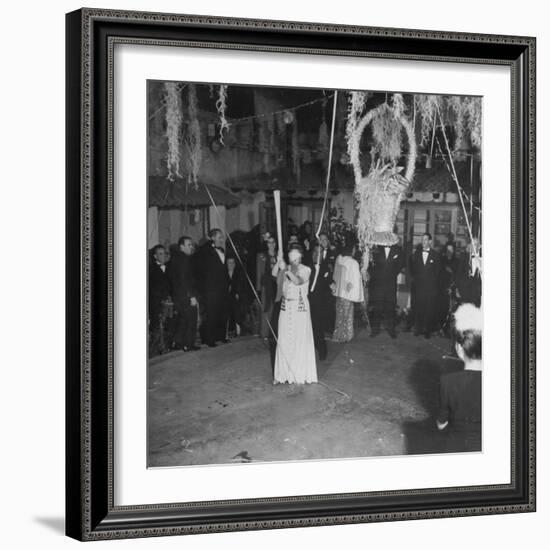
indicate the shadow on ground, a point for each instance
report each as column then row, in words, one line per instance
column 422, row 437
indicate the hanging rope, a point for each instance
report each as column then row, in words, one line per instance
column 254, row 117
column 163, row 102
column 329, row 163
column 447, row 165
column 325, row 200
column 455, row 178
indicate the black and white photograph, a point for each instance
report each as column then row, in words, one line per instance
column 315, row 270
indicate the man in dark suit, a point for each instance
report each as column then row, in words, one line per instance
column 184, row 295
column 425, row 271
column 159, row 290
column 328, row 259
column 386, row 263
column 468, row 277
column 213, row 282
column 320, row 293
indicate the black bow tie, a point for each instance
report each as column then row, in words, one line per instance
column 220, row 248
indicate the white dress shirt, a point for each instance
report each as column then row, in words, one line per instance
column 221, row 254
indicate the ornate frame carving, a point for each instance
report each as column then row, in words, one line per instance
column 91, row 36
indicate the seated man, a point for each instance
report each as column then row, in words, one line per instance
column 460, row 392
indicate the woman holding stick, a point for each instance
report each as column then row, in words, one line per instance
column 295, row 355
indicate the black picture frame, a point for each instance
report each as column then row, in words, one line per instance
column 90, row 512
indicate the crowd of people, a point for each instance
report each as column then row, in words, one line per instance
column 210, row 293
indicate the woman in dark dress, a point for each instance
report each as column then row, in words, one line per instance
column 449, row 265
column 266, row 285
column 459, row 415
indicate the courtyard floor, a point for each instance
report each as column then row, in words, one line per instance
column 376, row 397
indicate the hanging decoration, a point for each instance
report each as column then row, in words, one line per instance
column 221, row 104
column 425, row 106
column 457, row 183
column 288, row 116
column 467, row 120
column 193, row 138
column 462, row 113
column 174, row 118
column 356, row 106
column 379, row 193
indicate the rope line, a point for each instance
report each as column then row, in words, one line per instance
column 253, row 117
column 451, row 173
column 455, row 177
column 325, row 200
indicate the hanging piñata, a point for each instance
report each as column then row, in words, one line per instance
column 378, row 194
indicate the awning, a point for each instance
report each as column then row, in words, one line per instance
column 182, row 194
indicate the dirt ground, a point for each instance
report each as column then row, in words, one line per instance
column 375, row 397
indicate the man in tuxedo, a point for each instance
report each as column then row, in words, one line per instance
column 425, row 271
column 184, row 295
column 159, row 290
column 213, row 282
column 320, row 293
column 386, row 263
column 468, row 277
column 328, row 259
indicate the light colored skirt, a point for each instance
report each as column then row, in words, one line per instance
column 295, row 357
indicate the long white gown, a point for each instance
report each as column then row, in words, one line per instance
column 295, row 358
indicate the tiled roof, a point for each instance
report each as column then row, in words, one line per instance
column 179, row 193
